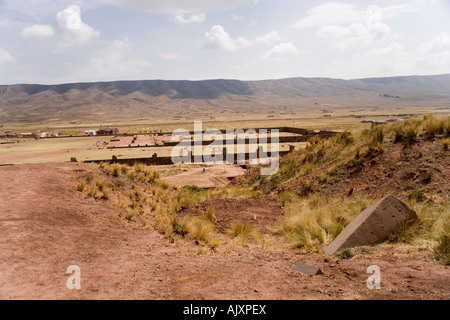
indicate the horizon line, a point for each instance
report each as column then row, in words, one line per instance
column 228, row 79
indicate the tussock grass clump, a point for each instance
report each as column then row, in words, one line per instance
column 209, row 215
column 81, row 184
column 445, row 144
column 243, row 229
column 406, row 233
column 345, row 138
column 315, row 221
column 116, row 169
column 179, row 225
column 406, row 132
column 417, row 196
column 442, row 250
column 101, row 185
column 203, row 232
column 434, row 126
column 315, row 140
column 92, row 191
column 244, row 232
column 433, row 227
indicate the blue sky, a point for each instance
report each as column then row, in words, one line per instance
column 48, row 42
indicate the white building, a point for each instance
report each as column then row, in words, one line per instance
column 90, row 133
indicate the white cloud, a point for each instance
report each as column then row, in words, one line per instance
column 391, row 50
column 238, row 18
column 76, row 32
column 392, row 59
column 4, row 22
column 172, row 56
column 343, row 24
column 5, row 56
column 330, row 13
column 437, row 51
column 342, row 37
column 179, row 6
column 438, row 44
column 269, row 38
column 282, row 50
column 192, row 18
column 218, row 39
column 37, row 31
column 113, row 62
column 238, row 67
column 334, row 13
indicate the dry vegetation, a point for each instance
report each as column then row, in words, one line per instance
column 140, row 195
column 312, row 217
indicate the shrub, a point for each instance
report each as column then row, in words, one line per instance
column 417, row 195
column 426, row 176
column 193, row 189
column 345, row 254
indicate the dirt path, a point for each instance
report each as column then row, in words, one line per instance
column 45, row 226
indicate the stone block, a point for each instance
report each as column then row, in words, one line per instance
column 374, row 225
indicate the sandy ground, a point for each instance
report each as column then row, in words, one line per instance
column 46, row 226
column 214, row 176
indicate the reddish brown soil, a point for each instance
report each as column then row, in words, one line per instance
column 400, row 171
column 262, row 212
column 46, row 226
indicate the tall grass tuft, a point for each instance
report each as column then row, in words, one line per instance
column 244, row 231
column 434, row 126
column 445, row 144
column 81, row 185
column 442, row 250
column 312, row 222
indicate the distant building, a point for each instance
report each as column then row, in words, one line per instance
column 90, row 133
column 26, row 135
column 108, row 132
column 47, row 134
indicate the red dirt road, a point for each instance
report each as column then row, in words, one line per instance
column 46, row 226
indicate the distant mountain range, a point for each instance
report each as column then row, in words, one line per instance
column 166, row 99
